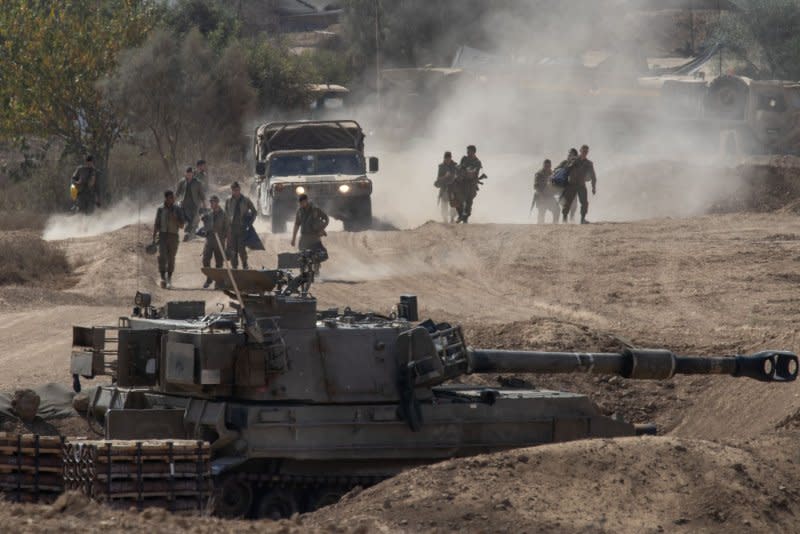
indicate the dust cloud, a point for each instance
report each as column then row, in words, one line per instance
column 119, row 215
column 534, row 100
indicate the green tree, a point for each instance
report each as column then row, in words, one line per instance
column 766, row 33
column 189, row 100
column 280, row 78
column 52, row 55
column 214, row 19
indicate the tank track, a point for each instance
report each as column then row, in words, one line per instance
column 274, row 496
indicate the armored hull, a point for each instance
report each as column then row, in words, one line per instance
column 301, row 405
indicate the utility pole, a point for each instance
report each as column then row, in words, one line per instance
column 378, row 53
column 691, row 26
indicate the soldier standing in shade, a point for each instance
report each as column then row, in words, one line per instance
column 239, row 209
column 311, row 221
column 85, row 179
column 581, row 171
column 466, row 185
column 200, row 171
column 544, row 193
column 192, row 197
column 445, row 177
column 216, row 224
column 169, row 220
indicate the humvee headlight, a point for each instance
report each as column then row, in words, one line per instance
column 300, row 190
column 773, row 102
column 344, row 188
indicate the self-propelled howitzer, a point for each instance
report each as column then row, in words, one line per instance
column 300, row 405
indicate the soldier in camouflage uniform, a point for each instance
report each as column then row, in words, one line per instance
column 216, row 225
column 544, row 193
column 466, row 185
column 200, row 173
column 311, row 221
column 85, row 179
column 572, row 156
column 445, row 177
column 192, row 196
column 238, row 208
column 169, row 220
column 581, row 171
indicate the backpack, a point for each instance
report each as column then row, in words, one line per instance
column 560, row 178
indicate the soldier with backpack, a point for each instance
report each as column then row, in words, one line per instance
column 560, row 180
column 544, row 193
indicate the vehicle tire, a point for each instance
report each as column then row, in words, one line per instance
column 278, row 221
column 727, row 98
column 233, row 498
column 277, row 504
column 362, row 216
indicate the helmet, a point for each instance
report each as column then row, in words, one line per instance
column 73, row 192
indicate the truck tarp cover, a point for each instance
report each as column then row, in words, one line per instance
column 311, row 136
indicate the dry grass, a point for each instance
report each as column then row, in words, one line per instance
column 27, row 259
column 22, row 220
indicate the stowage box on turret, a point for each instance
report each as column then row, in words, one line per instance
column 301, row 405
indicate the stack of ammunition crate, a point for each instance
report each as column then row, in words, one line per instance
column 31, row 467
column 171, row 474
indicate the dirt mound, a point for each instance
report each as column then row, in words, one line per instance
column 622, row 485
column 28, row 259
column 74, row 513
column 765, row 184
column 112, row 266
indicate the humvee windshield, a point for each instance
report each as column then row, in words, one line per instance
column 310, row 165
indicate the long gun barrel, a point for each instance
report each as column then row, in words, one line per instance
column 766, row 366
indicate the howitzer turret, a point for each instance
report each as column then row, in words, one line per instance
column 300, row 405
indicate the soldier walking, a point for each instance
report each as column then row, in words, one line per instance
column 85, row 180
column 192, row 197
column 216, row 226
column 169, row 220
column 544, row 193
column 311, row 221
column 445, row 177
column 240, row 210
column 466, row 186
column 572, row 156
column 581, row 171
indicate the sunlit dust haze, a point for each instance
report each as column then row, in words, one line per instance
column 121, row 214
column 541, row 93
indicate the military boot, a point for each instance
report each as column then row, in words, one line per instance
column 168, row 284
column 163, row 280
column 207, row 284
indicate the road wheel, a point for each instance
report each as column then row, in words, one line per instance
column 325, row 496
column 277, row 504
column 233, row 498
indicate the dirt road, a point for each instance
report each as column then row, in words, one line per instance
column 716, row 284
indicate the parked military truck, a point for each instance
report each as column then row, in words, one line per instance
column 300, row 404
column 323, row 159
